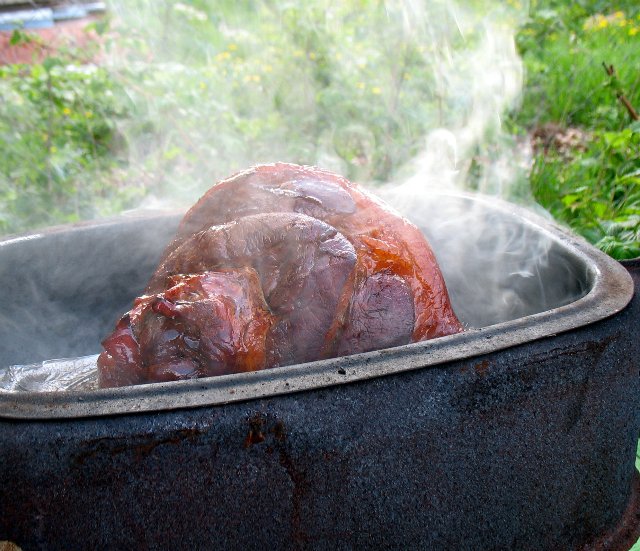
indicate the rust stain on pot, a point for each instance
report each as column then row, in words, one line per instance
column 279, row 431
column 627, row 531
column 255, row 435
column 260, row 429
column 482, row 368
column 141, row 445
column 300, row 487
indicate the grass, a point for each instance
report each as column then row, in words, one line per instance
column 564, row 50
column 590, row 182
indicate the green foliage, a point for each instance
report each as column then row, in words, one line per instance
column 57, row 129
column 191, row 92
column 563, row 50
column 341, row 84
column 19, row 37
column 596, row 191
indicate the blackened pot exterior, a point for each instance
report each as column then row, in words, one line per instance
column 527, row 448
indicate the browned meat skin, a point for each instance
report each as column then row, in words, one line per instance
column 303, row 265
column 203, row 325
column 380, row 316
column 382, row 238
column 288, row 264
column 121, row 364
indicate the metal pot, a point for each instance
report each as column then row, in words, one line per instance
column 519, row 433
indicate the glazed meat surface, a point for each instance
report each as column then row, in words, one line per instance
column 277, row 265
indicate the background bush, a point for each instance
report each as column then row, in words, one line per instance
column 586, row 171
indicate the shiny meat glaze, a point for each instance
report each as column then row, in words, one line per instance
column 308, row 265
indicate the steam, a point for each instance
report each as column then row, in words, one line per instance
column 399, row 91
column 470, row 150
column 476, row 85
column 210, row 95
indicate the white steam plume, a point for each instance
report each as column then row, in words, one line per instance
column 402, row 90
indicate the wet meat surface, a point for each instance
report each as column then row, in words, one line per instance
column 278, row 265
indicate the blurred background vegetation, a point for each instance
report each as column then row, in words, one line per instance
column 587, row 165
column 167, row 97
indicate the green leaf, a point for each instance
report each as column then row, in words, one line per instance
column 570, row 199
column 19, row 37
column 50, row 62
column 101, row 26
column 600, row 209
column 617, row 140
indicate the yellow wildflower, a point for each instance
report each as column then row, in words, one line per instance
column 66, row 111
column 376, row 90
column 360, row 85
column 267, row 68
column 599, row 21
column 312, row 55
column 633, row 31
column 596, row 21
column 232, row 47
column 53, row 149
column 618, row 18
column 88, row 114
column 203, row 86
